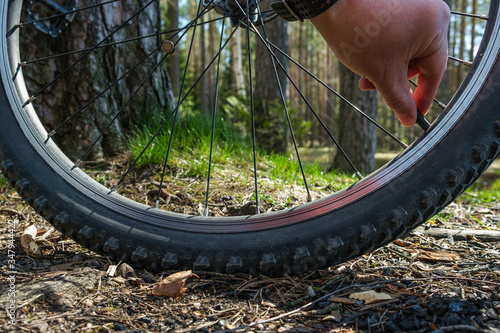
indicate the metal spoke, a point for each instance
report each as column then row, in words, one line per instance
column 292, row 132
column 121, row 109
column 54, row 131
column 465, row 62
column 482, row 17
column 134, row 163
column 134, row 39
column 252, row 108
column 83, row 108
column 311, row 108
column 214, row 117
column 178, row 104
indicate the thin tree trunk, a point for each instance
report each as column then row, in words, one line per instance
column 473, row 32
column 205, row 80
column 173, row 59
column 237, row 75
column 271, row 124
column 461, row 54
column 356, row 135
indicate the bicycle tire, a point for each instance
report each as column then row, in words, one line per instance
column 420, row 182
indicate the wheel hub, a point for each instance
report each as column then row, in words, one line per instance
column 235, row 9
column 63, row 12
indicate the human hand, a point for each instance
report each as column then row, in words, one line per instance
column 387, row 42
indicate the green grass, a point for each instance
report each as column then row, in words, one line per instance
column 482, row 193
column 189, row 156
column 190, row 144
column 3, row 182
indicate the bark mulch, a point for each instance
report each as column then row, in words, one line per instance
column 435, row 279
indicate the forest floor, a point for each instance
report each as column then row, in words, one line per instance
column 430, row 280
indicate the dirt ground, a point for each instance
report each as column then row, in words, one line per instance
column 433, row 280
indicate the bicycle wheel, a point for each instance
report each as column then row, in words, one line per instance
column 413, row 187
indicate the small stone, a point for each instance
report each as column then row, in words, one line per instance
column 496, row 306
column 148, row 277
column 125, row 270
column 119, row 327
column 438, row 272
column 491, row 313
column 39, row 326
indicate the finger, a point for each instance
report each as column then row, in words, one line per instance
column 412, row 72
column 426, row 90
column 432, row 69
column 428, row 84
column 398, row 96
column 365, row 84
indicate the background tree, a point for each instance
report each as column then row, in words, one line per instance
column 271, row 125
column 172, row 22
column 92, row 75
column 356, row 135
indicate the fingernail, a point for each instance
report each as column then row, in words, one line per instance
column 406, row 119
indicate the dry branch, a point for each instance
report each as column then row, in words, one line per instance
column 460, row 235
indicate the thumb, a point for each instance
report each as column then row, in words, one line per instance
column 397, row 94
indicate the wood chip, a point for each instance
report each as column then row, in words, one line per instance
column 111, row 270
column 28, row 242
column 371, row 296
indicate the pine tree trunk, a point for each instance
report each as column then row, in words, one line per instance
column 95, row 73
column 271, row 125
column 237, row 75
column 173, row 59
column 356, row 135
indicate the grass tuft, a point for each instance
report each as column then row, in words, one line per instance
column 189, row 154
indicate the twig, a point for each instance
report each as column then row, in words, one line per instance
column 12, row 211
column 308, row 305
column 461, row 235
column 45, row 235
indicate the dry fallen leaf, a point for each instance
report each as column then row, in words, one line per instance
column 370, row 296
column 172, row 285
column 119, row 279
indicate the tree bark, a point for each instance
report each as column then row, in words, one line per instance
column 95, row 73
column 356, row 135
